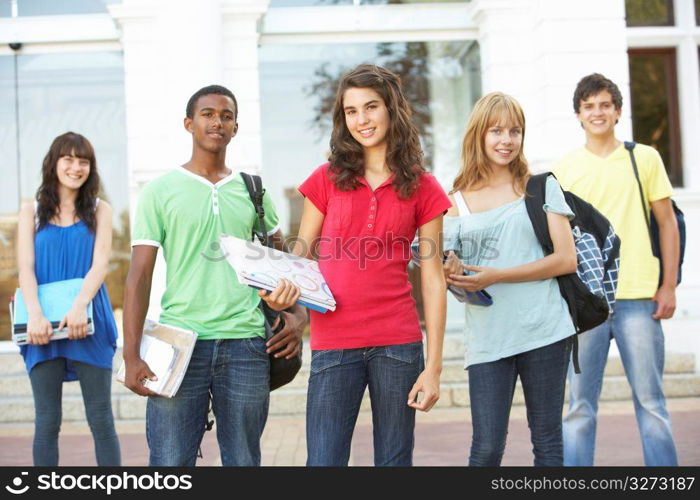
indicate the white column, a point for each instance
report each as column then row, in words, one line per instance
column 172, row 48
column 241, row 74
column 538, row 50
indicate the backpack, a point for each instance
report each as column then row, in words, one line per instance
column 590, row 291
column 652, row 225
column 282, row 371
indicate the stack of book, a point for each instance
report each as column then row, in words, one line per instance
column 262, row 267
column 55, row 299
column 167, row 351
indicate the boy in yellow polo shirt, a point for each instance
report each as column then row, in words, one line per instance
column 601, row 173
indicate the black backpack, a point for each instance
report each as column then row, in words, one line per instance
column 590, row 291
column 282, row 371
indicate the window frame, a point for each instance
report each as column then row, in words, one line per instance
column 685, row 38
column 674, row 166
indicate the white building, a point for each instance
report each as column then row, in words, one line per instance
column 121, row 73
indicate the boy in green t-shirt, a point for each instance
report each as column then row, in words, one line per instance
column 601, row 173
column 185, row 211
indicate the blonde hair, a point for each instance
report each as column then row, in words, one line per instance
column 492, row 109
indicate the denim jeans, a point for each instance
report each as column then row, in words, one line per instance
column 640, row 340
column 336, row 385
column 47, row 387
column 236, row 372
column 491, row 385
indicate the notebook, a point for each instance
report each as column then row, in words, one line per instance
column 56, row 299
column 167, row 351
column 262, row 267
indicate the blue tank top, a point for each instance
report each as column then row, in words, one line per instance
column 63, row 253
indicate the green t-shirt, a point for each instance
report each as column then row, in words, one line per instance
column 185, row 214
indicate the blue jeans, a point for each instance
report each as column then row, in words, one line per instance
column 336, row 385
column 237, row 374
column 640, row 340
column 47, row 388
column 491, row 385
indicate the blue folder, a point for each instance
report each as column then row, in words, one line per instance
column 56, row 299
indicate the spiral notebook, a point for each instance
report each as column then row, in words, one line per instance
column 262, row 267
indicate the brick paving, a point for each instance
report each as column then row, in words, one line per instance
column 442, row 438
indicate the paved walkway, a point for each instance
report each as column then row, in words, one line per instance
column 442, row 438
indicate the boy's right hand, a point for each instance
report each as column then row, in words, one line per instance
column 39, row 330
column 452, row 265
column 136, row 373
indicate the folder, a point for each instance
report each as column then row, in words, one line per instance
column 262, row 267
column 167, row 351
column 56, row 299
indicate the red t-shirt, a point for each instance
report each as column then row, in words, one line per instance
column 363, row 254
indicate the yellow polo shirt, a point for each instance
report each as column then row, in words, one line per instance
column 609, row 185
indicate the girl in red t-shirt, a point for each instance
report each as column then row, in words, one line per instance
column 361, row 213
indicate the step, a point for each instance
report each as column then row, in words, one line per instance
column 292, row 401
column 16, row 383
column 615, row 388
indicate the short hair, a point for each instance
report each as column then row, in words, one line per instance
column 594, row 84
column 208, row 90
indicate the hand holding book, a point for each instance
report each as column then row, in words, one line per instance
column 39, row 330
column 60, row 307
column 283, row 297
column 76, row 321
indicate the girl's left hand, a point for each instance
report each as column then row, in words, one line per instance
column 483, row 278
column 429, row 384
column 76, row 321
column 283, row 297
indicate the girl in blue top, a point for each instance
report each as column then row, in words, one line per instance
column 525, row 332
column 67, row 234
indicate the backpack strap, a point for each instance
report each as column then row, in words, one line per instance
column 534, row 201
column 629, row 146
column 256, row 192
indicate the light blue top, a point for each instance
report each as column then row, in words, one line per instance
column 524, row 316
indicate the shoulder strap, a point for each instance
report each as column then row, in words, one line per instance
column 534, row 201
column 462, row 207
column 36, row 215
column 256, row 191
column 629, row 146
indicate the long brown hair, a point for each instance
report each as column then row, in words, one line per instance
column 47, row 196
column 490, row 110
column 404, row 156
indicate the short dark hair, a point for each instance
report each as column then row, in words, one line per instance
column 208, row 90
column 594, row 84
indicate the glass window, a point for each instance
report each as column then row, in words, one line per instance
column 649, row 12
column 82, row 92
column 654, row 93
column 5, row 8
column 9, row 188
column 441, row 79
column 312, row 3
column 52, row 7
